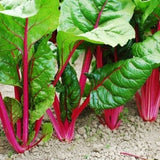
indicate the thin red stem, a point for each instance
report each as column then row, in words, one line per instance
column 115, row 55
column 56, row 106
column 132, row 155
column 66, row 62
column 35, row 144
column 99, row 57
column 36, row 129
column 99, row 15
column 78, row 111
column 85, row 69
column 56, row 125
column 25, row 87
column 137, row 33
column 158, row 26
column 8, row 128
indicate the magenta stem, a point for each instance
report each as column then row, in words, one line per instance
column 56, row 107
column 158, row 27
column 58, row 129
column 85, row 69
column 99, row 15
column 78, row 111
column 36, row 129
column 35, row 144
column 25, row 87
column 132, row 155
column 137, row 33
column 66, row 62
column 8, row 128
column 99, row 57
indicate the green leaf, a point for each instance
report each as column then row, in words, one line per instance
column 41, row 75
column 20, row 8
column 47, row 131
column 114, row 84
column 79, row 21
column 69, row 99
column 14, row 109
column 76, row 54
column 31, row 136
column 149, row 48
column 147, row 7
column 12, row 28
column 8, row 69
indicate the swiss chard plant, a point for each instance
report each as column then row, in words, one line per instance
column 109, row 117
column 148, row 100
column 145, row 22
column 90, row 25
column 27, row 63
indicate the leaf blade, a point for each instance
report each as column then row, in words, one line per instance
column 79, row 23
column 70, row 97
column 116, row 86
column 41, row 75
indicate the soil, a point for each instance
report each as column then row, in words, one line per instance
column 93, row 141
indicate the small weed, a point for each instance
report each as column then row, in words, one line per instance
column 124, row 115
column 86, row 156
column 99, row 133
column 107, row 146
column 2, row 134
column 87, row 128
column 10, row 154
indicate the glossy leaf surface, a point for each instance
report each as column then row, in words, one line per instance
column 70, row 97
column 12, row 28
column 42, row 73
column 21, row 8
column 149, row 48
column 98, row 21
column 14, row 109
column 147, row 7
column 114, row 84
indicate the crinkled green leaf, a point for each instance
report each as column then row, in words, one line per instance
column 149, row 48
column 31, row 136
column 70, row 97
column 14, row 109
column 147, row 7
column 98, row 21
column 12, row 28
column 42, row 74
column 114, row 84
column 44, row 104
column 20, row 8
column 47, row 131
column 8, row 70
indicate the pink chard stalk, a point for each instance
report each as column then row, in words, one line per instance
column 65, row 128
column 63, row 124
column 22, row 117
column 148, row 100
column 8, row 122
column 110, row 117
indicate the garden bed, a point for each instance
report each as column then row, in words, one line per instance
column 93, row 141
